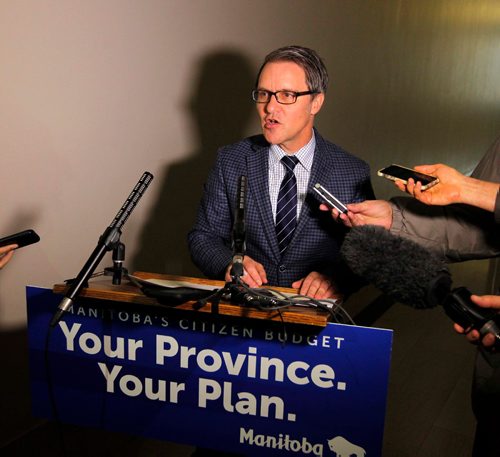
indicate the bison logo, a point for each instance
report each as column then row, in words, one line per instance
column 344, row 448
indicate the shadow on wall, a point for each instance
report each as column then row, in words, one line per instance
column 220, row 106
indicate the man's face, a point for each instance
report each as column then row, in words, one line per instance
column 289, row 126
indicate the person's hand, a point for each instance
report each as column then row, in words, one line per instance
column 254, row 274
column 316, row 285
column 447, row 191
column 369, row 212
column 453, row 187
column 473, row 336
column 6, row 253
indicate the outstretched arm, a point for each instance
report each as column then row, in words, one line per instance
column 453, row 187
column 369, row 212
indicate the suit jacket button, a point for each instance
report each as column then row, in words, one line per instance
column 282, row 268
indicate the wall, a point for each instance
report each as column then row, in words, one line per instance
column 95, row 92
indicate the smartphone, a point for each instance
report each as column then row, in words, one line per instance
column 400, row 173
column 329, row 199
column 22, row 239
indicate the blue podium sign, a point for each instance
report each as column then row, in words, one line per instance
column 239, row 385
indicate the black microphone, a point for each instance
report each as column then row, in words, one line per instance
column 410, row 274
column 107, row 242
column 239, row 230
column 118, row 258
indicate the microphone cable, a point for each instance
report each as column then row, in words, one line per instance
column 268, row 299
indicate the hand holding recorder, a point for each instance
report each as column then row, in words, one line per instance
column 18, row 240
column 369, row 212
column 474, row 336
column 329, row 199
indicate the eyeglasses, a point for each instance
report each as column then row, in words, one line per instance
column 285, row 97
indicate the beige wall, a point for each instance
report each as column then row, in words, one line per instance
column 93, row 93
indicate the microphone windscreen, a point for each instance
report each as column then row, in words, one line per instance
column 401, row 268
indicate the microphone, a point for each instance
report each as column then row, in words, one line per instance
column 107, row 241
column 410, row 274
column 118, row 258
column 239, row 230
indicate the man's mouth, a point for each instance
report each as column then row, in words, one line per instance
column 271, row 122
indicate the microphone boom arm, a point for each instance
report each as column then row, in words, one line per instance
column 107, row 241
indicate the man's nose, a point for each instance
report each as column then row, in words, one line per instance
column 272, row 104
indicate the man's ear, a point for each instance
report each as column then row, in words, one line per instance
column 317, row 103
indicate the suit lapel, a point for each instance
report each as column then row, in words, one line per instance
column 258, row 182
column 322, row 168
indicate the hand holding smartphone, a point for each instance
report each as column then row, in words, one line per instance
column 24, row 238
column 399, row 173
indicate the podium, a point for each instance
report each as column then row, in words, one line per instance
column 104, row 290
column 230, row 378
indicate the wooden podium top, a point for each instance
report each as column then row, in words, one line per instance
column 103, row 289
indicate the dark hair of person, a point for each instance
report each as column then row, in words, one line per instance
column 307, row 59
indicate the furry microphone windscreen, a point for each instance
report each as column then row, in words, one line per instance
column 402, row 269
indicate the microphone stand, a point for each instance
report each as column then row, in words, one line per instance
column 231, row 288
column 239, row 232
column 235, row 290
column 117, row 270
column 107, row 241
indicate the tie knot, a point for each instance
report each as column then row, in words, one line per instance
column 290, row 162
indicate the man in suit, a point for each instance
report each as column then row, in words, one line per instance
column 289, row 242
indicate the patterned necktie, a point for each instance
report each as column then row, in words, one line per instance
column 286, row 209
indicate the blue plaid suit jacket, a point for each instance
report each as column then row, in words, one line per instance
column 317, row 238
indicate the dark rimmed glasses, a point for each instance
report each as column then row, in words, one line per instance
column 285, row 97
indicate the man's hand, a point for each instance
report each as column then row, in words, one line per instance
column 316, row 285
column 6, row 253
column 485, row 301
column 369, row 212
column 254, row 274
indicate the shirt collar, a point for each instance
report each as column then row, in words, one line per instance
column 305, row 154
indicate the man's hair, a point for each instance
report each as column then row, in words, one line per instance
column 307, row 59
